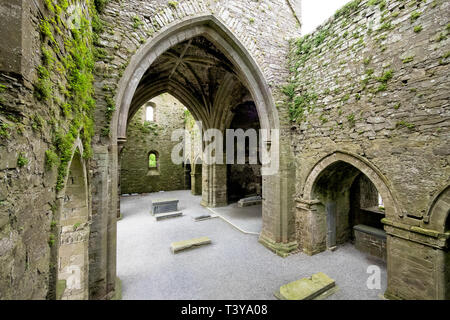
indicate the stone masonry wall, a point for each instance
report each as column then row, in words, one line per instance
column 42, row 112
column 373, row 81
column 135, row 176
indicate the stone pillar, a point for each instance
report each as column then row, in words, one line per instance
column 278, row 233
column 102, row 249
column 311, row 226
column 214, row 185
column 120, row 144
column 417, row 262
column 196, row 183
column 114, row 170
column 17, row 46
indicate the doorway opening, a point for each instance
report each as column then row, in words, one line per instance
column 352, row 209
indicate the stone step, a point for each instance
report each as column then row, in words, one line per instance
column 306, row 288
column 167, row 215
column 187, row 244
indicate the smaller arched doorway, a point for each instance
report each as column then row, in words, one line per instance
column 349, row 204
column 72, row 261
column 438, row 219
column 344, row 199
column 187, row 175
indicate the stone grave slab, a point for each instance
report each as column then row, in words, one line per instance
column 202, row 217
column 167, row 215
column 306, row 288
column 164, row 206
column 187, row 244
column 250, row 201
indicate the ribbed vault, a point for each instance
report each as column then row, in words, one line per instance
column 198, row 74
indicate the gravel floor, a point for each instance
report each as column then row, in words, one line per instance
column 235, row 266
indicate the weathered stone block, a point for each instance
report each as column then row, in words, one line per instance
column 187, row 244
column 307, row 288
column 370, row 240
column 168, row 215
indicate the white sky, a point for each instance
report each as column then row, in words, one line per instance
column 315, row 12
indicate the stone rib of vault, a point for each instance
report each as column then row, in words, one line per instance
column 187, row 244
column 306, row 288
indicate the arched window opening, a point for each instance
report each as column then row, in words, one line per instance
column 150, row 113
column 153, row 160
column 380, row 202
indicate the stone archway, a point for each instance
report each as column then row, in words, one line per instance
column 215, row 31
column 130, row 94
column 70, row 246
column 277, row 209
column 327, row 190
column 362, row 165
column 438, row 218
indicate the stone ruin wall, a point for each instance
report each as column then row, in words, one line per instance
column 135, row 176
column 34, row 125
column 380, row 90
column 377, row 88
column 373, row 82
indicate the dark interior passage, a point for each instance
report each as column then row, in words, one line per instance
column 244, row 180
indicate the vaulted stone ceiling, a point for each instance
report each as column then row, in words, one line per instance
column 198, row 74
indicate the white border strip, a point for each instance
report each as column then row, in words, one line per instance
column 228, row 221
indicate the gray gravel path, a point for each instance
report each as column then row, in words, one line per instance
column 234, row 266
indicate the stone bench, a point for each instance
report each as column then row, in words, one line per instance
column 370, row 240
column 164, row 206
column 250, row 201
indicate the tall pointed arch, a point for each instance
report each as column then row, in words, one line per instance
column 215, row 31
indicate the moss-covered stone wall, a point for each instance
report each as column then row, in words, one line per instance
column 46, row 104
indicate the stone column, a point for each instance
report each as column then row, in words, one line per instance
column 196, row 183
column 214, row 185
column 120, row 144
column 104, row 204
column 278, row 233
